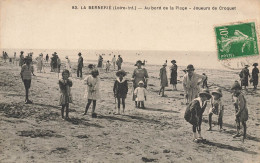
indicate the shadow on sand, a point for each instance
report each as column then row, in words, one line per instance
column 160, row 110
column 229, row 147
column 82, row 121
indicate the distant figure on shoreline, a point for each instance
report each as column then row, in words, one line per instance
column 100, row 61
column 68, row 65
column 244, row 75
column 39, row 60
column 174, row 75
column 108, row 66
column 21, row 61
column 47, row 58
column 255, row 73
column 205, row 82
column 191, row 83
column 114, row 62
column 80, row 66
column 119, row 62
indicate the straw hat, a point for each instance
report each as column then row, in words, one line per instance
column 217, row 91
column 205, row 92
column 255, row 64
column 28, row 58
column 90, row 66
column 173, row 61
column 236, row 85
column 140, row 82
column 94, row 72
column 139, row 61
column 120, row 72
column 190, row 67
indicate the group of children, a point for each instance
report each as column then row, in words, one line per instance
column 92, row 93
column 193, row 113
column 196, row 108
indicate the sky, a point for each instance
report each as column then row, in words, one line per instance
column 53, row 24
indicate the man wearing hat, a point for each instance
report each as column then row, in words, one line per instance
column 255, row 73
column 173, row 79
column 26, row 75
column 80, row 66
column 244, row 75
column 191, row 82
column 119, row 62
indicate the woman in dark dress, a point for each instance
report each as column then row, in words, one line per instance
column 100, row 61
column 173, row 69
column 255, row 73
column 244, row 76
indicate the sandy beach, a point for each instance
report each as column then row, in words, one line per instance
column 37, row 133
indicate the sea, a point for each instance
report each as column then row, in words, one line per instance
column 200, row 59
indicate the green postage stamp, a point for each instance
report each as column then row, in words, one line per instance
column 236, row 40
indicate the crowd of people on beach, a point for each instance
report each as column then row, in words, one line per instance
column 196, row 98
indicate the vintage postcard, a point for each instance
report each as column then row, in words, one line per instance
column 129, row 81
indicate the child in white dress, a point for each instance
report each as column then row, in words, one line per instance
column 140, row 94
column 92, row 93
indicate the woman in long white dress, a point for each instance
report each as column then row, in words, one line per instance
column 39, row 63
column 68, row 65
column 191, row 83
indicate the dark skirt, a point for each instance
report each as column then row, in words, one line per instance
column 244, row 81
column 173, row 79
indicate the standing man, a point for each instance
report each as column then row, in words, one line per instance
column 119, row 62
column 244, row 74
column 80, row 66
column 114, row 62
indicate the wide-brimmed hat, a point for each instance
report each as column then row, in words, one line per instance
column 255, row 64
column 120, row 72
column 140, row 82
column 236, row 85
column 165, row 64
column 79, row 54
column 54, row 53
column 139, row 61
column 217, row 91
column 173, row 61
column 90, row 66
column 94, row 72
column 190, row 67
column 28, row 58
column 22, row 52
column 205, row 92
column 65, row 71
column 246, row 65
